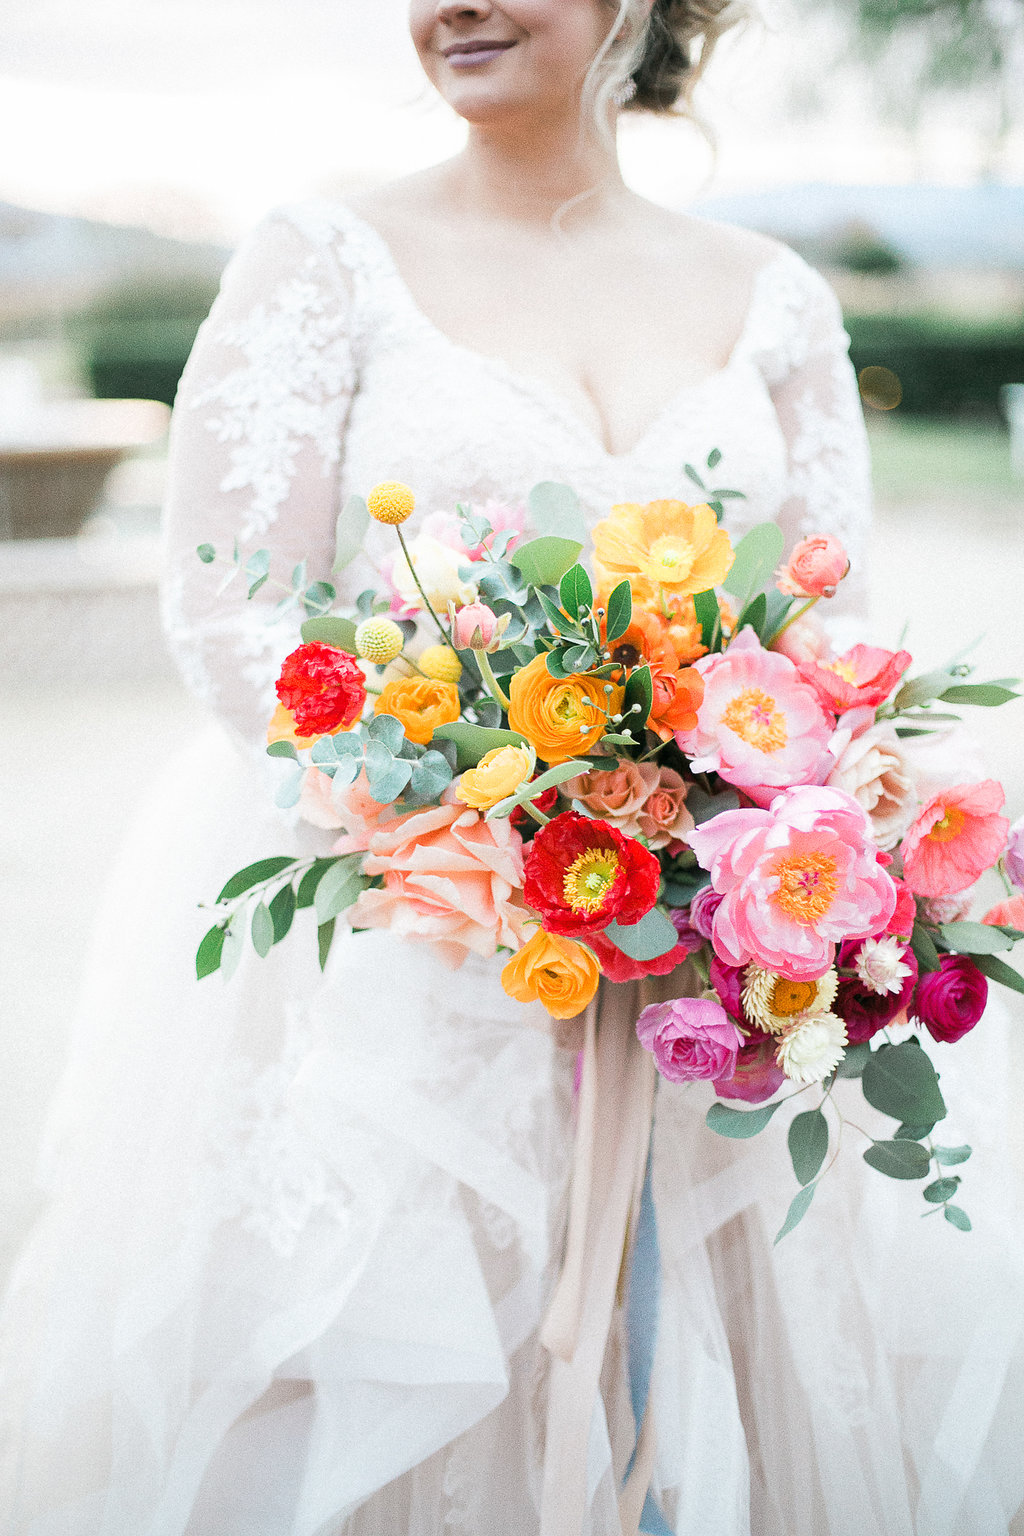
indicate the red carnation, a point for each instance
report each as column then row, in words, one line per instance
column 581, row 874
column 324, row 689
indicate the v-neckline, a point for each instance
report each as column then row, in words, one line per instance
column 544, row 393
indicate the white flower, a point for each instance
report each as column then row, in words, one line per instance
column 437, row 566
column 880, row 965
column 772, row 1001
column 874, row 770
column 812, row 1047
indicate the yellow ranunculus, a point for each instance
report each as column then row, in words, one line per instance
column 420, row 705
column 498, row 774
column 560, row 973
column 560, row 717
column 664, row 545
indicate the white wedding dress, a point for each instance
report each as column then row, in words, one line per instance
column 302, row 1228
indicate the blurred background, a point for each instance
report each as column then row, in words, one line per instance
column 883, row 139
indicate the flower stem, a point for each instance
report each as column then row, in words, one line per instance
column 793, row 618
column 426, row 600
column 490, row 681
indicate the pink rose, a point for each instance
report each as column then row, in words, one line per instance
column 703, row 908
column 449, row 878
column 806, row 639
column 690, row 1038
column 727, row 981
column 758, row 1074
column 663, row 816
column 688, row 935
column 615, row 794
column 951, row 1000
column 873, row 770
column 937, row 910
column 350, row 808
column 815, row 568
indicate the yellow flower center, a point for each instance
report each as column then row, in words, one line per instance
column 807, row 884
column 789, row 997
column 843, row 669
column 949, row 827
column 753, row 716
column 670, row 559
column 589, row 879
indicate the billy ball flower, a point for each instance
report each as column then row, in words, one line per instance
column 581, row 874
column 379, row 640
column 440, row 663
column 391, row 502
column 322, row 687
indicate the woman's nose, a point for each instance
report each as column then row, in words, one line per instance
column 460, row 10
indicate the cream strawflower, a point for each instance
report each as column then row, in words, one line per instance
column 812, row 1047
column 772, row 1001
column 880, row 965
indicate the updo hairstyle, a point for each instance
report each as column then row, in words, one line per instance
column 652, row 61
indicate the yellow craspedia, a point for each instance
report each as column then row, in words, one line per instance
column 379, row 640
column 391, row 502
column 498, row 774
column 441, row 663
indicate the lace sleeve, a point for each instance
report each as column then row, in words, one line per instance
column 256, row 445
column 814, row 390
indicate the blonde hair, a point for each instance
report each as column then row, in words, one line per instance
column 654, row 56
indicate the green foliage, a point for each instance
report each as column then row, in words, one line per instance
column 757, row 556
column 555, row 510
column 974, row 938
column 941, row 1190
column 652, row 936
column 997, row 970
column 135, row 339
column 958, row 1218
column 331, row 629
column 923, row 945
column 949, row 1157
column 254, row 874
column 706, row 610
column 899, row 1080
column 324, row 940
column 209, row 952
column 350, row 531
column 798, row 1208
column 945, row 365
column 739, row 1123
column 474, row 741
column 855, row 1060
column 576, row 592
column 899, row 1159
column 544, row 561
column 620, row 611
column 808, row 1144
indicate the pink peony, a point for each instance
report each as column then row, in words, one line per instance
column 815, row 568
column 449, row 878
column 796, row 880
column 758, row 1074
column 759, row 726
column 615, row 794
column 503, row 517
column 690, row 1038
column 951, row 1000
column 957, row 836
column 863, row 675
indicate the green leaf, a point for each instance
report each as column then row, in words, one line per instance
column 998, row 970
column 254, row 874
column 262, row 930
column 798, row 1208
column 757, row 555
column 988, row 695
column 206, row 553
column 324, row 938
column 555, row 509
column 575, row 591
column 855, row 1060
column 714, row 458
column 957, row 1218
column 652, row 936
column 282, row 911
column 386, row 775
column 899, row 1159
column 260, row 581
column 923, row 945
column 283, row 749
column 231, row 954
column 703, row 806
column 337, row 890
column 907, row 1132
column 949, row 1157
column 974, row 938
column 431, row 775
column 921, row 690
column 620, row 611
column 290, row 788
column 705, row 607
column 579, row 658
column 209, row 952
column 739, row 1123
column 318, row 598
column 543, row 562
column 474, row 741
column 941, row 1190
column 900, row 1081
column 310, row 880
column 692, row 474
column 639, row 690
column 387, row 730
column 331, row 629
column 755, row 615
column 258, row 564
column 350, row 531
column 808, row 1144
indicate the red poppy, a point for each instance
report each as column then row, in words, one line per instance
column 619, row 967
column 324, row 689
column 581, row 874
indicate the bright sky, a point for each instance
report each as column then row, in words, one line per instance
column 199, row 114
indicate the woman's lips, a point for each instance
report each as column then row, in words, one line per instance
column 472, row 55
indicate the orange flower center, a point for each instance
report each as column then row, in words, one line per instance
column 789, row 997
column 949, row 827
column 807, row 884
column 589, row 878
column 753, row 716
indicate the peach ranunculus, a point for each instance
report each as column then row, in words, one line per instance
column 955, row 838
column 663, row 817
column 558, row 972
column 874, row 771
column 677, row 691
column 419, row 704
column 449, row 878
column 815, row 568
column 1007, row 914
column 865, row 675
column 348, row 808
column 497, row 775
column 561, row 718
column 615, row 794
column 665, row 546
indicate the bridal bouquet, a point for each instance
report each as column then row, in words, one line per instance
column 665, row 763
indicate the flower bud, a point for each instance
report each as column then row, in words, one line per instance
column 390, row 502
column 815, row 569
column 477, row 627
column 379, row 640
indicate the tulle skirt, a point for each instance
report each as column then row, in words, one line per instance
column 303, row 1229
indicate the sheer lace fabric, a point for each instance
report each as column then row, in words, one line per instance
column 303, row 1228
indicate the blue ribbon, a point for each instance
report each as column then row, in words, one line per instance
column 642, row 1330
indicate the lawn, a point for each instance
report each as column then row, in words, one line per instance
column 913, row 456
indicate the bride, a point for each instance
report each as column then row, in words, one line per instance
column 304, row 1228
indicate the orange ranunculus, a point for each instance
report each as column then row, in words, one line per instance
column 420, row 704
column 678, row 692
column 560, row 973
column 561, row 718
column 665, row 546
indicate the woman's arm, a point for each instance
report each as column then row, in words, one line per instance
column 256, row 445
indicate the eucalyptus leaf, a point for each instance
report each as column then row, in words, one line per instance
column 941, row 1190
column 331, row 629
column 350, row 531
column 739, row 1123
column 754, row 615
column 639, row 690
column 337, row 890
column 757, row 556
column 808, row 1144
column 949, row 1157
column 324, row 939
column 703, row 806
column 555, row 509
column 262, row 930
column 560, row 622
column 258, row 564
column 923, row 945
column 310, row 880
column 283, row 749
column 387, row 730
column 260, row 581
column 974, row 938
column 543, row 562
column 692, row 474
column 578, row 658
column 318, row 598
column 908, row 1132
column 206, row 553
column 431, row 775
column 714, row 458
column 620, row 611
column 899, row 1159
column 988, row 695
column 957, row 1218
column 652, row 936
column 855, row 1059
column 921, row 690
column 798, row 1208
column 386, row 775
column 255, row 874
column 290, row 788
column 899, row 1080
column 209, row 952
column 232, row 950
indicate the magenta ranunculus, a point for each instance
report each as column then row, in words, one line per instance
column 796, row 880
column 727, row 981
column 703, row 908
column 758, row 1074
column 866, row 1012
column 951, row 1000
column 690, row 937
column 690, row 1038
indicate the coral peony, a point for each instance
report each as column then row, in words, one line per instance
column 498, row 774
column 420, row 705
column 951, row 1000
column 1007, row 914
column 880, row 988
column 874, row 771
column 815, row 568
column 796, row 880
column 619, row 967
column 865, row 675
column 449, row 878
column 561, row 718
column 690, row 1038
column 323, row 688
column 581, row 874
column 905, row 914
column 664, row 547
column 759, row 726
column 957, row 836
column 555, row 971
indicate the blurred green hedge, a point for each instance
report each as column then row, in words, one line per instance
column 134, row 342
column 946, row 365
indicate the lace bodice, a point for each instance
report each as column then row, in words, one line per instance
column 316, row 375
